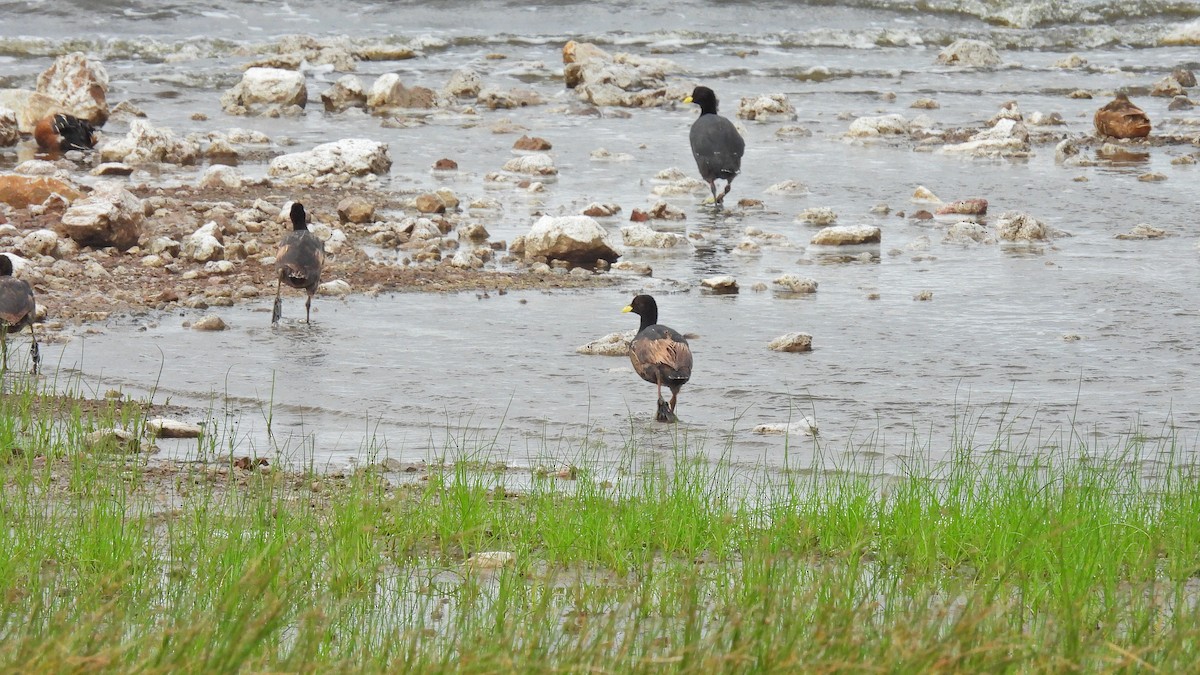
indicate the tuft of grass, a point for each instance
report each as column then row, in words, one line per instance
column 1000, row 557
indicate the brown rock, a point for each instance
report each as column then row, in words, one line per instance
column 356, row 210
column 445, row 165
column 111, row 216
column 1122, row 119
column 21, row 191
column 1184, row 76
column 964, row 207
column 639, row 216
column 532, row 143
column 430, row 203
column 922, row 215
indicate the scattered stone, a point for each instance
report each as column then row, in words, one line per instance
column 638, row 268
column 846, row 235
column 598, row 210
column 335, row 162
column 491, row 560
column 766, row 108
column 720, row 285
column 204, row 244
column 110, row 216
column 464, row 83
column 924, row 195
column 613, row 344
column 112, row 169
column 803, row 427
column 162, row 427
column 969, row 53
column 1080, row 94
column 40, row 242
column 497, row 99
column 531, row 144
column 1008, row 138
column 112, row 440
column 346, row 93
column 925, row 104
column 10, row 129
column 356, row 210
column 445, row 164
column 577, row 239
column 1181, row 103
column 964, row 207
column 791, row 342
column 791, row 283
column 336, row 288
column 1152, row 177
column 639, row 235
column 602, row 155
column 1071, row 62
column 1184, row 76
column 1143, row 231
column 147, row 144
column 429, row 203
column 263, row 90
column 882, row 125
column 788, row 187
column 820, row 215
column 967, row 232
column 539, row 164
column 210, row 322
column 388, row 94
column 793, row 131
column 1039, row 119
column 1167, row 87
column 79, row 85
column 1015, row 226
column 21, row 192
column 221, row 176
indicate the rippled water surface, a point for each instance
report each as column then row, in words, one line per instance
column 1085, row 330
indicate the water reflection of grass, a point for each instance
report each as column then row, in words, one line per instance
column 1048, row 559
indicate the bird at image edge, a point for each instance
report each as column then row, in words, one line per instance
column 17, row 310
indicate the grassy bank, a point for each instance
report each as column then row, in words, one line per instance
column 1056, row 558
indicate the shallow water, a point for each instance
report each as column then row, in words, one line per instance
column 415, row 375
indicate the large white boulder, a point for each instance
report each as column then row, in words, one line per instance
column 79, row 84
column 881, row 125
column 110, row 216
column 847, row 235
column 265, row 89
column 335, row 162
column 578, row 239
column 147, row 144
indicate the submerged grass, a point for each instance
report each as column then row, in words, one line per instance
column 1000, row 558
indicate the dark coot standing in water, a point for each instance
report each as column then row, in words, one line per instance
column 299, row 260
column 716, row 144
column 17, row 310
column 659, row 354
column 64, row 133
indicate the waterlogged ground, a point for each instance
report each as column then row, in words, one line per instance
column 1085, row 330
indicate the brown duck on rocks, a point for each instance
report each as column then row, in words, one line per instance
column 299, row 261
column 1122, row 119
column 17, row 310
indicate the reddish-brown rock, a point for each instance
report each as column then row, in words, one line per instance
column 532, row 143
column 20, row 191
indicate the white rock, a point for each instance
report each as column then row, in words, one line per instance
column 40, row 242
column 159, row 245
column 792, row 283
column 346, row 93
column 79, row 84
column 10, row 130
column 337, row 288
column 923, row 195
column 766, row 108
column 388, row 93
column 161, row 427
column 1014, row 226
column 332, row 162
column 1007, row 138
column 577, row 239
column 113, row 439
column 221, row 176
column 263, row 89
column 613, row 344
column 723, row 284
column 792, row 342
column 803, row 427
column 845, row 235
column 881, row 125
column 971, row 53
column 212, row 322
column 204, row 244
column 788, row 187
column 464, row 82
column 491, row 560
column 218, row 267
column 538, row 164
column 640, row 235
column 820, row 215
column 146, row 144
column 110, row 216
column 967, row 232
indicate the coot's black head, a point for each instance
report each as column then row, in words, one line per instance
column 645, row 307
column 299, row 219
column 705, row 98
